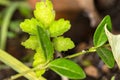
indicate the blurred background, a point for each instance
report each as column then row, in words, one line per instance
column 84, row 16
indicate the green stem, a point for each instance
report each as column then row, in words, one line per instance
column 23, row 73
column 16, row 65
column 3, row 66
column 39, row 67
column 6, row 21
column 76, row 54
column 92, row 49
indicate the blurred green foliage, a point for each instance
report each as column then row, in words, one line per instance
column 12, row 12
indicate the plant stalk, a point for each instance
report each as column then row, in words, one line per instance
column 17, row 65
column 6, row 21
column 39, row 67
column 92, row 49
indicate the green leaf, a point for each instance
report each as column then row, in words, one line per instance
column 11, row 34
column 59, row 27
column 46, row 44
column 39, row 59
column 114, row 41
column 106, row 56
column 62, row 44
column 29, row 26
column 113, row 78
column 25, row 9
column 31, row 43
column 14, row 26
column 44, row 12
column 99, row 36
column 67, row 68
